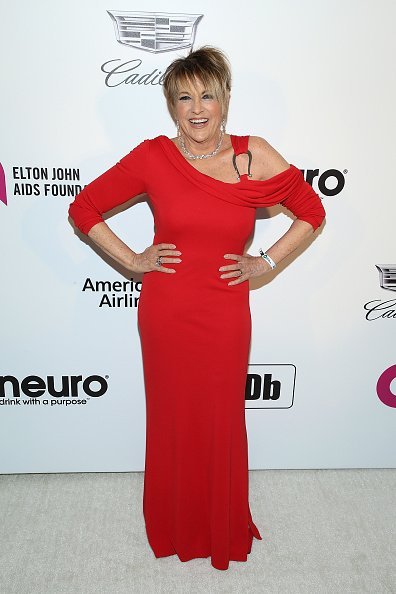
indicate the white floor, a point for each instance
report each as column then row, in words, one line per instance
column 324, row 531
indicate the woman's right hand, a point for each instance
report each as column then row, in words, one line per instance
column 146, row 261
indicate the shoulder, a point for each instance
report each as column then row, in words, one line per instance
column 268, row 162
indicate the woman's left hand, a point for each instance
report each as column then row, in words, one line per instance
column 250, row 266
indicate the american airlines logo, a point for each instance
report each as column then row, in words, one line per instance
column 155, row 31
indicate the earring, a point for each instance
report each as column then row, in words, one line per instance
column 222, row 127
column 178, row 128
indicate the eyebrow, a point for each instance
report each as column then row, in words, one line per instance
column 187, row 92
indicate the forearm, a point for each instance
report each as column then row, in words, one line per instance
column 109, row 242
column 296, row 234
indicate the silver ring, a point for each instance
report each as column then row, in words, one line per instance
column 158, row 261
column 240, row 271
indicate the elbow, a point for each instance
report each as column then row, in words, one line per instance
column 306, row 205
column 74, row 213
column 314, row 212
column 317, row 219
column 320, row 215
column 314, row 217
column 82, row 218
column 71, row 211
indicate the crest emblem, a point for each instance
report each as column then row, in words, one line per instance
column 387, row 276
column 155, row 31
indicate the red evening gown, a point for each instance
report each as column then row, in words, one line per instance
column 195, row 334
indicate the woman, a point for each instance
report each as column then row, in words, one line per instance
column 193, row 315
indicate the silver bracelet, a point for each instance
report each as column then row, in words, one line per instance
column 267, row 258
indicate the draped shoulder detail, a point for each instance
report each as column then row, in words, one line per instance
column 287, row 187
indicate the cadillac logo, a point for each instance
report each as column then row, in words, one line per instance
column 155, row 31
column 387, row 276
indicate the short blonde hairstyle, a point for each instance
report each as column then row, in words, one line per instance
column 210, row 65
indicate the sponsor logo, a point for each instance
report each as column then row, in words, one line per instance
column 31, row 181
column 3, row 189
column 154, row 32
column 329, row 183
column 387, row 276
column 270, row 386
column 50, row 391
column 383, row 308
column 386, row 386
column 114, row 293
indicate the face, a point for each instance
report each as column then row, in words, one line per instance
column 196, row 103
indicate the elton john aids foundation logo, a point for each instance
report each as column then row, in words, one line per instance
column 3, row 191
column 386, row 386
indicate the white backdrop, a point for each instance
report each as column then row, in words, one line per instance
column 317, row 80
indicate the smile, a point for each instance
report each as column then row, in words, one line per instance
column 198, row 123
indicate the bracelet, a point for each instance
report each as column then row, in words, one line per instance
column 267, row 258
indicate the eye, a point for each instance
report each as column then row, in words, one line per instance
column 207, row 95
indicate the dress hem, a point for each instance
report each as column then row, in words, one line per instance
column 253, row 532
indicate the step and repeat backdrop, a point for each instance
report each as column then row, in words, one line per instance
column 82, row 86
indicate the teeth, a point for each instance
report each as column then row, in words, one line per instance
column 198, row 121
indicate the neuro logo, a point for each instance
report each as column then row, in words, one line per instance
column 387, row 276
column 3, row 191
column 64, row 391
column 384, row 386
column 335, row 176
column 155, row 31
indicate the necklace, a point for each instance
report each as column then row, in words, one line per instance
column 205, row 156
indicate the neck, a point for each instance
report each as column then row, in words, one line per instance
column 207, row 152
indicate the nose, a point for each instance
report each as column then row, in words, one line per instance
column 197, row 107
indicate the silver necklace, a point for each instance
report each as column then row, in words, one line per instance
column 205, row 156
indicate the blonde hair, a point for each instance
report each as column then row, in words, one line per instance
column 210, row 65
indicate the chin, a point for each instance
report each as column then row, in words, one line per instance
column 201, row 132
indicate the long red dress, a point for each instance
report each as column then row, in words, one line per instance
column 195, row 334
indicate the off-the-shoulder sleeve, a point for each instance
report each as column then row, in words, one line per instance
column 305, row 203
column 124, row 180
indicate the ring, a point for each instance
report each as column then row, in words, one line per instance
column 158, row 261
column 240, row 271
